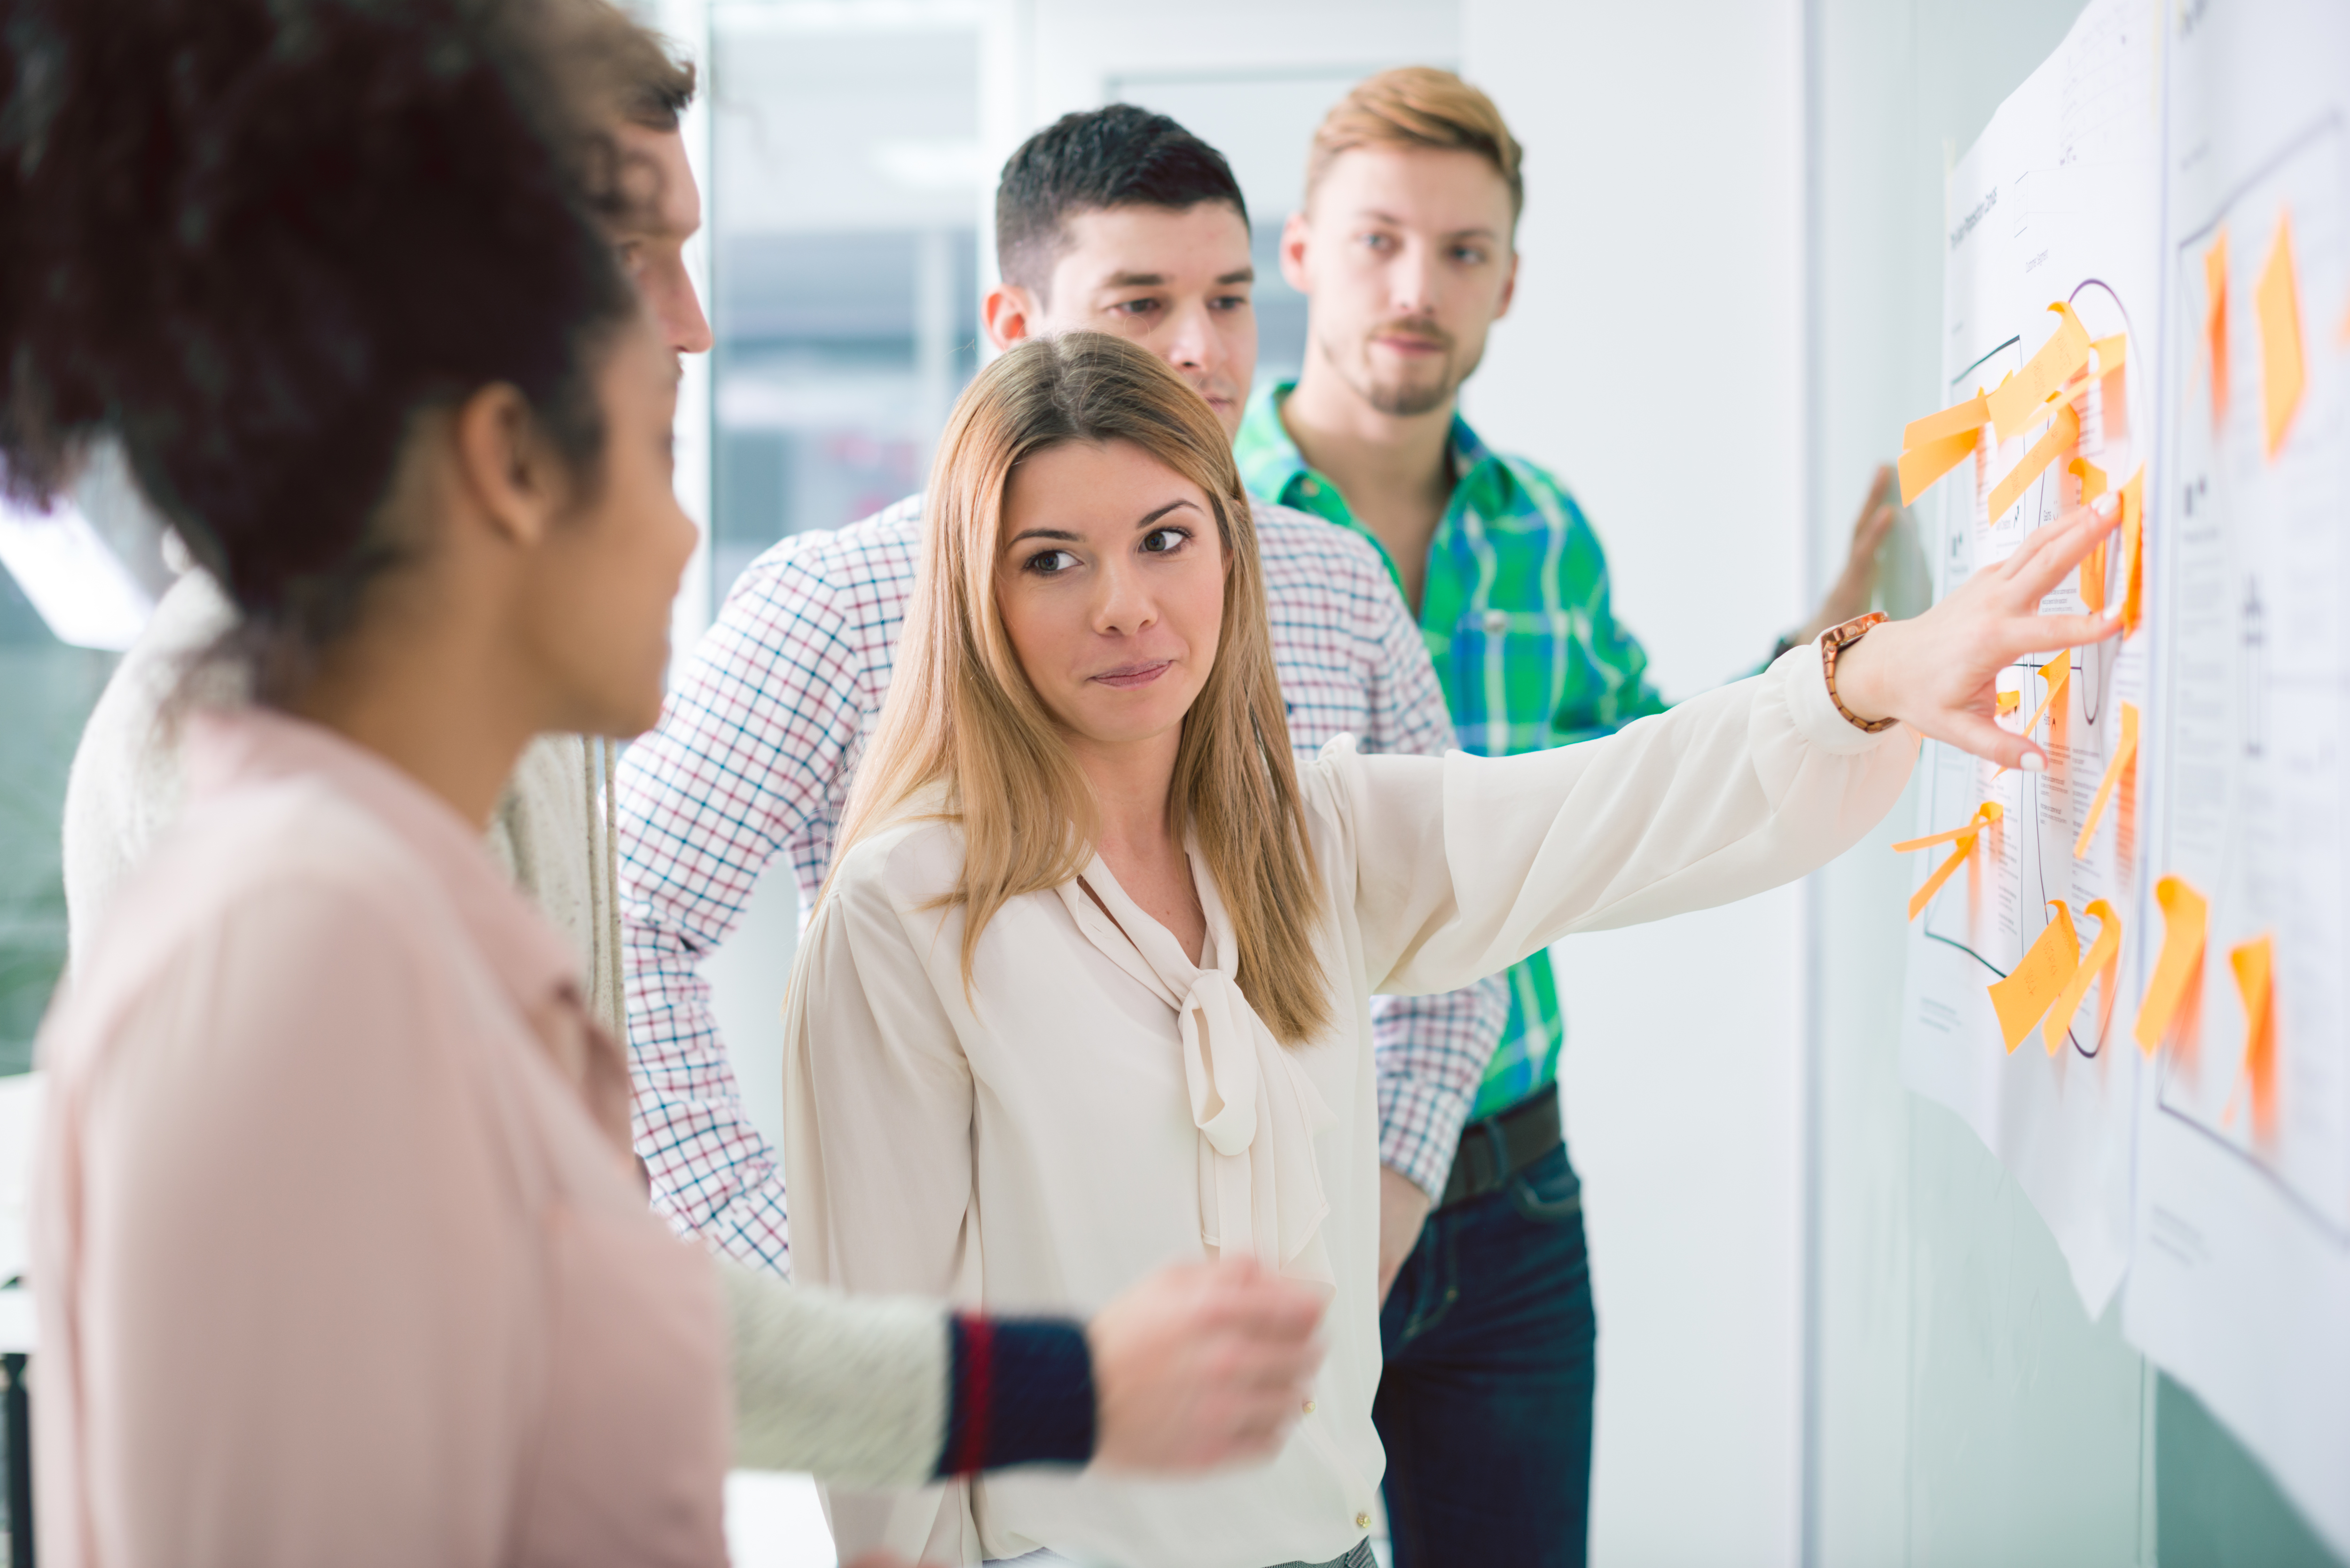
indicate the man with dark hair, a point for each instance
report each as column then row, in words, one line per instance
column 1121, row 220
column 1118, row 221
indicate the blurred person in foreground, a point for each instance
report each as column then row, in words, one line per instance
column 1406, row 251
column 341, row 1251
column 1115, row 219
column 551, row 828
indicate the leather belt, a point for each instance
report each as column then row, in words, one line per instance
column 1498, row 1148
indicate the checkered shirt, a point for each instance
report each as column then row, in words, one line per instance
column 752, row 761
column 1515, row 614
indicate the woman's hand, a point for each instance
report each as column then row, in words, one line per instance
column 1937, row 674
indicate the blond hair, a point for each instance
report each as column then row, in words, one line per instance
column 962, row 715
column 1419, row 106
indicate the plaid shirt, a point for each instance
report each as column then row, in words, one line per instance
column 752, row 761
column 1516, row 615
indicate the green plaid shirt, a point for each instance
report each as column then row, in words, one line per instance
column 1516, row 618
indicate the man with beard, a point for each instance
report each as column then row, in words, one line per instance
column 1405, row 249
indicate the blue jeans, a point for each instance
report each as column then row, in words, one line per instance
column 1485, row 1405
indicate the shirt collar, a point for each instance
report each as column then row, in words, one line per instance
column 232, row 749
column 1269, row 461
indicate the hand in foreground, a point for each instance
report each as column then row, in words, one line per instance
column 1854, row 586
column 1203, row 1364
column 1403, row 1209
column 1937, row 674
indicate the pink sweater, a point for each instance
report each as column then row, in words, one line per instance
column 340, row 1252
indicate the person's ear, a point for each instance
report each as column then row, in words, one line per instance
column 1509, row 284
column 1293, row 230
column 506, row 464
column 1010, row 314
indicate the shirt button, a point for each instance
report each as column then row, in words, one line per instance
column 1362, row 1522
column 1497, row 622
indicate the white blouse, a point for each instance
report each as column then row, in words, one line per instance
column 1093, row 1107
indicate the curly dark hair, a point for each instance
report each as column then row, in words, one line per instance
column 253, row 239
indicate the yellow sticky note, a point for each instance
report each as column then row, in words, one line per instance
column 2255, row 965
column 1921, row 465
column 2102, row 959
column 2016, row 402
column 2064, row 431
column 2215, row 322
column 2133, row 550
column 2026, row 994
column 1962, row 837
column 2276, row 300
column 1958, row 419
column 2092, row 478
column 2007, row 701
column 2123, row 754
column 2185, row 918
column 2112, row 352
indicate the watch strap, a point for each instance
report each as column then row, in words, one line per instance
column 1834, row 640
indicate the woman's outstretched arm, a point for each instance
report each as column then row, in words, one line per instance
column 1467, row 866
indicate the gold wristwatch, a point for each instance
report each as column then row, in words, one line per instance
column 1834, row 640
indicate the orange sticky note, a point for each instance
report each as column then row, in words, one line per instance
column 2056, row 672
column 2064, row 431
column 2133, row 550
column 2185, row 918
column 2093, row 579
column 2276, row 300
column 2007, row 701
column 2123, row 754
column 2102, row 959
column 1962, row 837
column 2092, row 478
column 1958, row 419
column 2016, row 402
column 2112, row 352
column 2255, row 965
column 2025, row 996
column 1921, row 465
column 2215, row 322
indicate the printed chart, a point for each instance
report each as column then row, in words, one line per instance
column 2240, row 1281
column 2023, row 952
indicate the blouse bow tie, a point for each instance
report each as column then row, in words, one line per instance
column 1256, row 1111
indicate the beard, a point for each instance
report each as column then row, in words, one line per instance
column 1405, row 391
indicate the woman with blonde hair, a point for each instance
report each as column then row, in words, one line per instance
column 1087, row 988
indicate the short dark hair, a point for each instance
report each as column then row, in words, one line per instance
column 252, row 240
column 1120, row 156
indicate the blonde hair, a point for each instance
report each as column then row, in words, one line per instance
column 963, row 715
column 1419, row 106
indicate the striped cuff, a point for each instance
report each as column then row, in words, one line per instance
column 1023, row 1394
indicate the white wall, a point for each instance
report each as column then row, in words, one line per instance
column 1653, row 361
column 1053, row 56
